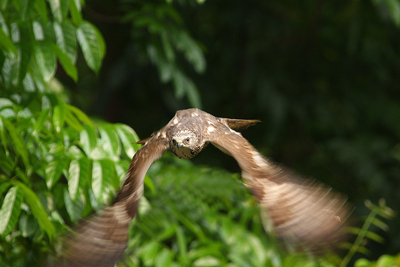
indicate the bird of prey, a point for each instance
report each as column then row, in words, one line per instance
column 302, row 212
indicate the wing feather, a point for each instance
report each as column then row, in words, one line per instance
column 302, row 211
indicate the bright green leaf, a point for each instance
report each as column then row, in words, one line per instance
column 88, row 139
column 92, row 45
column 37, row 209
column 75, row 9
column 110, row 141
column 58, row 9
column 72, row 121
column 10, row 210
column 163, row 258
column 79, row 114
column 54, row 170
column 101, row 179
column 128, row 138
column 59, row 117
column 66, row 62
column 45, row 59
column 78, row 175
column 66, row 39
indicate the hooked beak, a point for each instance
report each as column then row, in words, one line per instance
column 179, row 144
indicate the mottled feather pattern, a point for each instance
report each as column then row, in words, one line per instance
column 303, row 212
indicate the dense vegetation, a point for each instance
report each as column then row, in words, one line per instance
column 322, row 76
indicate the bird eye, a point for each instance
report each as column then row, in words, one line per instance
column 187, row 140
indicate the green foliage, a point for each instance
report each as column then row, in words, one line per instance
column 383, row 211
column 57, row 165
column 383, row 261
column 35, row 34
column 163, row 29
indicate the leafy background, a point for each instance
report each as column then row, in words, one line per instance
column 323, row 77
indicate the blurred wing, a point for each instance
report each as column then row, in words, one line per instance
column 101, row 240
column 302, row 212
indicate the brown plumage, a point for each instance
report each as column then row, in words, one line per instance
column 302, row 212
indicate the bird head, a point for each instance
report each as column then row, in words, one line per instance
column 185, row 144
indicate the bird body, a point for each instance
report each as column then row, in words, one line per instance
column 301, row 211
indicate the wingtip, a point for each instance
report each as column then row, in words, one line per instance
column 239, row 124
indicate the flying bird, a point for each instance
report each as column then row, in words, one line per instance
column 302, row 212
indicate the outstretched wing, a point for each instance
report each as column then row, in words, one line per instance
column 302, row 212
column 101, row 240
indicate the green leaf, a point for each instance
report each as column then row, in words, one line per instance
column 66, row 39
column 92, row 45
column 191, row 50
column 26, row 7
column 37, row 209
column 75, row 9
column 182, row 244
column 4, row 186
column 72, row 121
column 101, row 179
column 25, row 51
column 45, row 59
column 28, row 225
column 6, row 42
column 66, row 62
column 74, row 208
column 375, row 237
column 40, row 121
column 19, row 144
column 163, row 258
column 128, row 138
column 59, row 116
column 88, row 139
column 362, row 263
column 10, row 210
column 380, row 224
column 149, row 183
column 149, row 251
column 41, row 9
column 387, row 261
column 3, row 138
column 183, row 85
column 54, row 170
column 59, row 9
column 78, row 175
column 110, row 141
column 79, row 114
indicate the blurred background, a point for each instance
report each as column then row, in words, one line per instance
column 322, row 76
